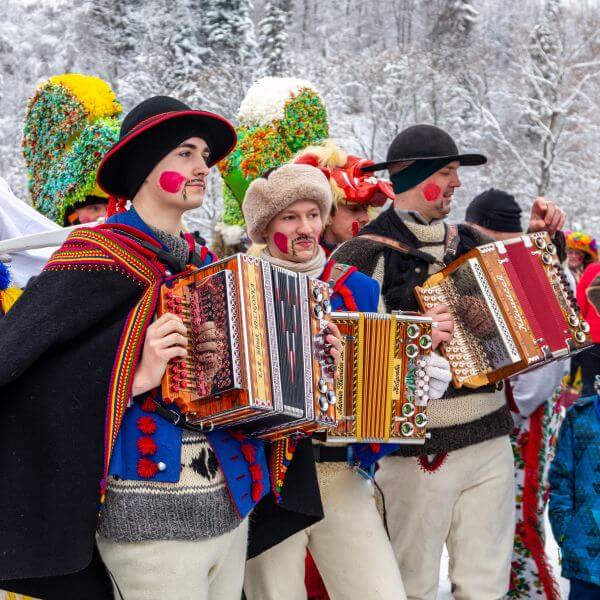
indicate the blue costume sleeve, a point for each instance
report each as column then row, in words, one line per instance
column 560, row 506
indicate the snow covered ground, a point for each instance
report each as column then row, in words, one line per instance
column 551, row 549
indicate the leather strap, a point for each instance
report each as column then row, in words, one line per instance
column 451, row 243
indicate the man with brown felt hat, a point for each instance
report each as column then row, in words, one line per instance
column 457, row 488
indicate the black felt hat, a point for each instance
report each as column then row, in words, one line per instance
column 149, row 132
column 425, row 142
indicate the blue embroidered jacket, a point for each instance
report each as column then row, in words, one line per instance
column 139, row 423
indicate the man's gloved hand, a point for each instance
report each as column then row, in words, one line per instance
column 439, row 373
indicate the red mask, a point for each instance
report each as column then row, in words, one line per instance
column 357, row 186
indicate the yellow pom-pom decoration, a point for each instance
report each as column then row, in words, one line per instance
column 95, row 95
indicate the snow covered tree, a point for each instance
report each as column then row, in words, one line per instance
column 230, row 31
column 273, row 38
column 455, row 23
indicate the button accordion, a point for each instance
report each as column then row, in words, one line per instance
column 270, row 375
column 382, row 387
column 513, row 310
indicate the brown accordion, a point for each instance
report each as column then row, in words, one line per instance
column 268, row 376
column 513, row 309
column 381, row 386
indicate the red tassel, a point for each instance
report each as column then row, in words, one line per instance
column 115, row 205
column 249, row 452
column 256, row 472
column 146, row 445
column 147, row 468
column 257, row 490
column 147, row 425
column 149, row 405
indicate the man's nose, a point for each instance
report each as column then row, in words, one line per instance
column 201, row 168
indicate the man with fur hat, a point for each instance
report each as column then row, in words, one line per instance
column 286, row 211
column 356, row 193
column 458, row 487
column 81, row 405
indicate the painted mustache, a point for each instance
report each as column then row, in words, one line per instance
column 304, row 238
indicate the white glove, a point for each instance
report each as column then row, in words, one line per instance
column 438, row 370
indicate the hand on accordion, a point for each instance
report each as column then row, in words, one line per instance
column 443, row 324
column 438, row 370
column 333, row 341
column 474, row 313
column 165, row 339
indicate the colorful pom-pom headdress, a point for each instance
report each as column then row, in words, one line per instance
column 578, row 240
column 278, row 117
column 71, row 122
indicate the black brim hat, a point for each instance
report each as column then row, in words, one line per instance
column 149, row 132
column 425, row 143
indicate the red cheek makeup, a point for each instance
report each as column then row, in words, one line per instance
column 432, row 192
column 281, row 241
column 171, row 181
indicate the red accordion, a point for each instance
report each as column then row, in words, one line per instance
column 513, row 309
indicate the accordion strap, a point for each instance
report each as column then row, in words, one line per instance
column 451, row 243
column 403, row 248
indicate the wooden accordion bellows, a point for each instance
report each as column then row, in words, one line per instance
column 382, row 386
column 513, row 310
column 269, row 375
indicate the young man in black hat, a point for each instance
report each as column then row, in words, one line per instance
column 81, row 404
column 458, row 487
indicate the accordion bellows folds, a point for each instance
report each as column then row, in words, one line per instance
column 269, row 375
column 382, row 386
column 513, row 310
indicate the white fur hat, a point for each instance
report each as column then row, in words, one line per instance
column 266, row 198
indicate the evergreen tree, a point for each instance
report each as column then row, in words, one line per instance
column 273, row 38
column 230, row 31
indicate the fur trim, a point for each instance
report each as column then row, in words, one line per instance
column 231, row 235
column 266, row 198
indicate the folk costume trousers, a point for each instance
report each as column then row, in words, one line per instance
column 468, row 503
column 349, row 546
column 208, row 569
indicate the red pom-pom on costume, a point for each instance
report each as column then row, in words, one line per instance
column 147, row 468
column 146, row 446
column 249, row 452
column 237, row 435
column 148, row 405
column 146, row 424
column 257, row 490
column 256, row 472
column 375, row 448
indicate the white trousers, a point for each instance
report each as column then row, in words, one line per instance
column 210, row 569
column 468, row 503
column 349, row 546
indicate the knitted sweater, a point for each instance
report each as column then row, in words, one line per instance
column 195, row 507
column 462, row 417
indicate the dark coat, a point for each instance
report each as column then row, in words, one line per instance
column 58, row 344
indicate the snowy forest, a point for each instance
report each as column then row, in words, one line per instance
column 518, row 80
